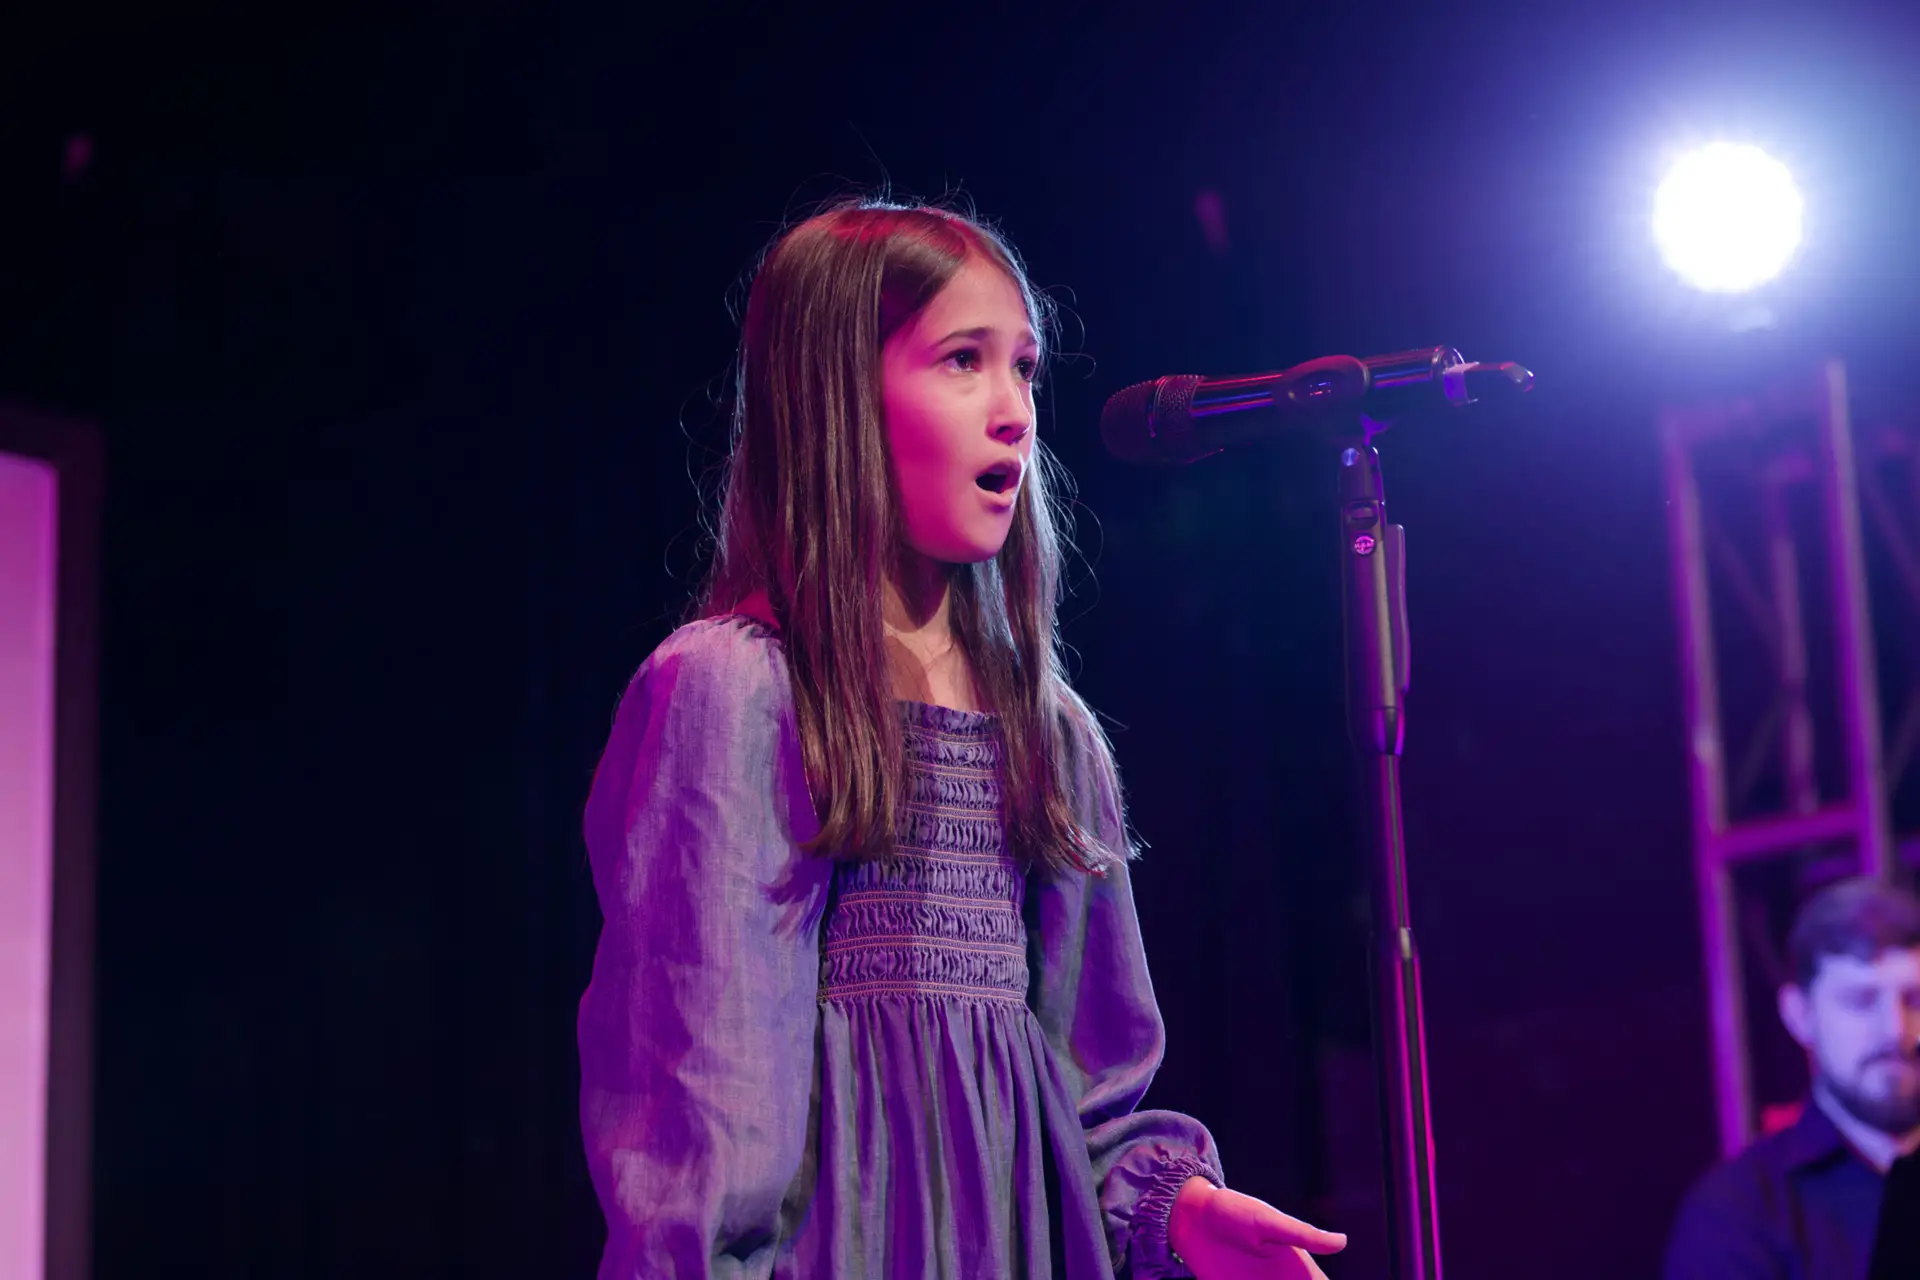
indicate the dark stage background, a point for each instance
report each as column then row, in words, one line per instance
column 405, row 334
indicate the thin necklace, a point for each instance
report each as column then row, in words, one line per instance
column 901, row 636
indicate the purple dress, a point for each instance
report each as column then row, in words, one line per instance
column 926, row 1066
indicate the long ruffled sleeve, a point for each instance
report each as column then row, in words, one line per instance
column 697, row 1031
column 1094, row 1000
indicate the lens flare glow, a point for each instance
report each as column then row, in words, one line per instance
column 1727, row 218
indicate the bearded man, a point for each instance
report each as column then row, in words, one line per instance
column 1837, row 1195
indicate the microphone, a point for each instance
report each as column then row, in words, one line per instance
column 1183, row 418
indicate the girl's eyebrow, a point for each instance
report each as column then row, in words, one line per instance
column 980, row 333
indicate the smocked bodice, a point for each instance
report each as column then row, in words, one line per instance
column 942, row 917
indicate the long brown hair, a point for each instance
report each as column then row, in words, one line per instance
column 808, row 517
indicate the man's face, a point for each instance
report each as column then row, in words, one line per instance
column 1859, row 1022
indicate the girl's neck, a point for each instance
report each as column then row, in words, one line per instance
column 925, row 659
column 916, row 601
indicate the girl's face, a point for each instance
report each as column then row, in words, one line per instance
column 957, row 392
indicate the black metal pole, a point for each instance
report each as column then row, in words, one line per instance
column 1373, row 595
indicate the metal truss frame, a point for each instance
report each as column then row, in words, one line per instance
column 1801, row 433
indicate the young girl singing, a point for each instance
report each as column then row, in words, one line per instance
column 870, row 999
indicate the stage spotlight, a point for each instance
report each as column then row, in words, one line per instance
column 1727, row 218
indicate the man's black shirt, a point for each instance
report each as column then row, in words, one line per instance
column 1796, row 1205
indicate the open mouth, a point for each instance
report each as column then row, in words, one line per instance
column 1001, row 477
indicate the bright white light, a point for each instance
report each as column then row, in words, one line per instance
column 1727, row 217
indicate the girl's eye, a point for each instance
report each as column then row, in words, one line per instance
column 967, row 360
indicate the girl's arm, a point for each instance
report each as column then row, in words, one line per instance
column 1157, row 1171
column 1095, row 1002
column 697, row 1032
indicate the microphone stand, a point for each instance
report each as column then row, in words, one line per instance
column 1374, row 607
column 1162, row 421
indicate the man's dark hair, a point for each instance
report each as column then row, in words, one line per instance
column 1859, row 918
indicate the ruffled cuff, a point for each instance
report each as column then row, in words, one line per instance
column 1153, row 1255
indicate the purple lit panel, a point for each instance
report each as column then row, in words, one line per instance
column 28, row 541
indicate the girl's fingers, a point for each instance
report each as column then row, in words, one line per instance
column 1283, row 1229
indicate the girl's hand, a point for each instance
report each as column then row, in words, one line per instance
column 1224, row 1235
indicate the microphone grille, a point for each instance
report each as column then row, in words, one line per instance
column 1124, row 425
column 1151, row 421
